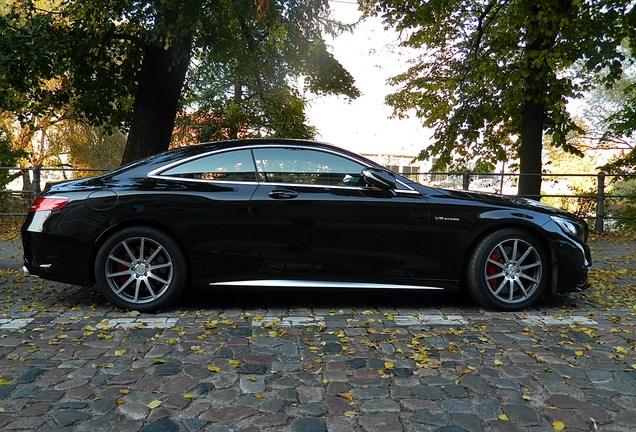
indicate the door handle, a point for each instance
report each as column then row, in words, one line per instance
column 283, row 194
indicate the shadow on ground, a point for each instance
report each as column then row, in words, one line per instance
column 612, row 277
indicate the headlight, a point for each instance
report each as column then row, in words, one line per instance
column 576, row 230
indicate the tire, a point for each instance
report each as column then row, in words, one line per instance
column 507, row 271
column 140, row 268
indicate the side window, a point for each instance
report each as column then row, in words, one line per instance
column 306, row 166
column 235, row 165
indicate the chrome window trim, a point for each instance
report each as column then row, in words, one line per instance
column 156, row 173
column 408, row 191
column 224, row 182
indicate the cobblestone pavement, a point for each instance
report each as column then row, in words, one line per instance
column 317, row 360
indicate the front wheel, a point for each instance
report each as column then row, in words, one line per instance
column 507, row 271
column 140, row 268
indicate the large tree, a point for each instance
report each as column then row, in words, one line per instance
column 123, row 63
column 255, row 87
column 495, row 75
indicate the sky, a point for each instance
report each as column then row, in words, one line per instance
column 362, row 125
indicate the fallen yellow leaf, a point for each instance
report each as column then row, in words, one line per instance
column 503, row 417
column 620, row 350
column 558, row 426
column 154, row 404
column 214, row 369
column 346, row 395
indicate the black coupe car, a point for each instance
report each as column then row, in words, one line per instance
column 294, row 213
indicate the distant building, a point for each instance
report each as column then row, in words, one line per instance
column 402, row 164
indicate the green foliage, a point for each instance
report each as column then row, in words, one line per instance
column 622, row 166
column 484, row 64
column 54, row 59
column 282, row 117
column 623, row 207
column 620, row 125
column 8, row 158
column 10, row 203
column 251, row 87
column 86, row 146
column 584, row 188
column 611, row 116
column 82, row 59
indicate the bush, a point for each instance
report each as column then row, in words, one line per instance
column 623, row 207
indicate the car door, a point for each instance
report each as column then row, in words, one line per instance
column 312, row 216
column 211, row 211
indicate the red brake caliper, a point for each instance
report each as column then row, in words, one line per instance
column 492, row 269
column 119, row 267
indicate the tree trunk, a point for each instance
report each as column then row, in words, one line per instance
column 160, row 82
column 541, row 36
column 530, row 150
column 234, row 120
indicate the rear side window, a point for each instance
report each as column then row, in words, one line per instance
column 306, row 166
column 236, row 165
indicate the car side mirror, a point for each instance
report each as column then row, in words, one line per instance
column 379, row 178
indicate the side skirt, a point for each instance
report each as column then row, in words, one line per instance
column 319, row 284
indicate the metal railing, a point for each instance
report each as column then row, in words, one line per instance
column 461, row 180
column 465, row 179
column 36, row 180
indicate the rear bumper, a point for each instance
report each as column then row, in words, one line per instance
column 56, row 259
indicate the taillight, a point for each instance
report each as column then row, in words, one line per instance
column 47, row 204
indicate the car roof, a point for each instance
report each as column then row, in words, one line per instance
column 146, row 165
column 205, row 146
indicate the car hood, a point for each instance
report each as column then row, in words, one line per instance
column 505, row 201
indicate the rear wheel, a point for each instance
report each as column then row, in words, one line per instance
column 507, row 271
column 140, row 268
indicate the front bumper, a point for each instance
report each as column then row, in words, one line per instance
column 572, row 263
